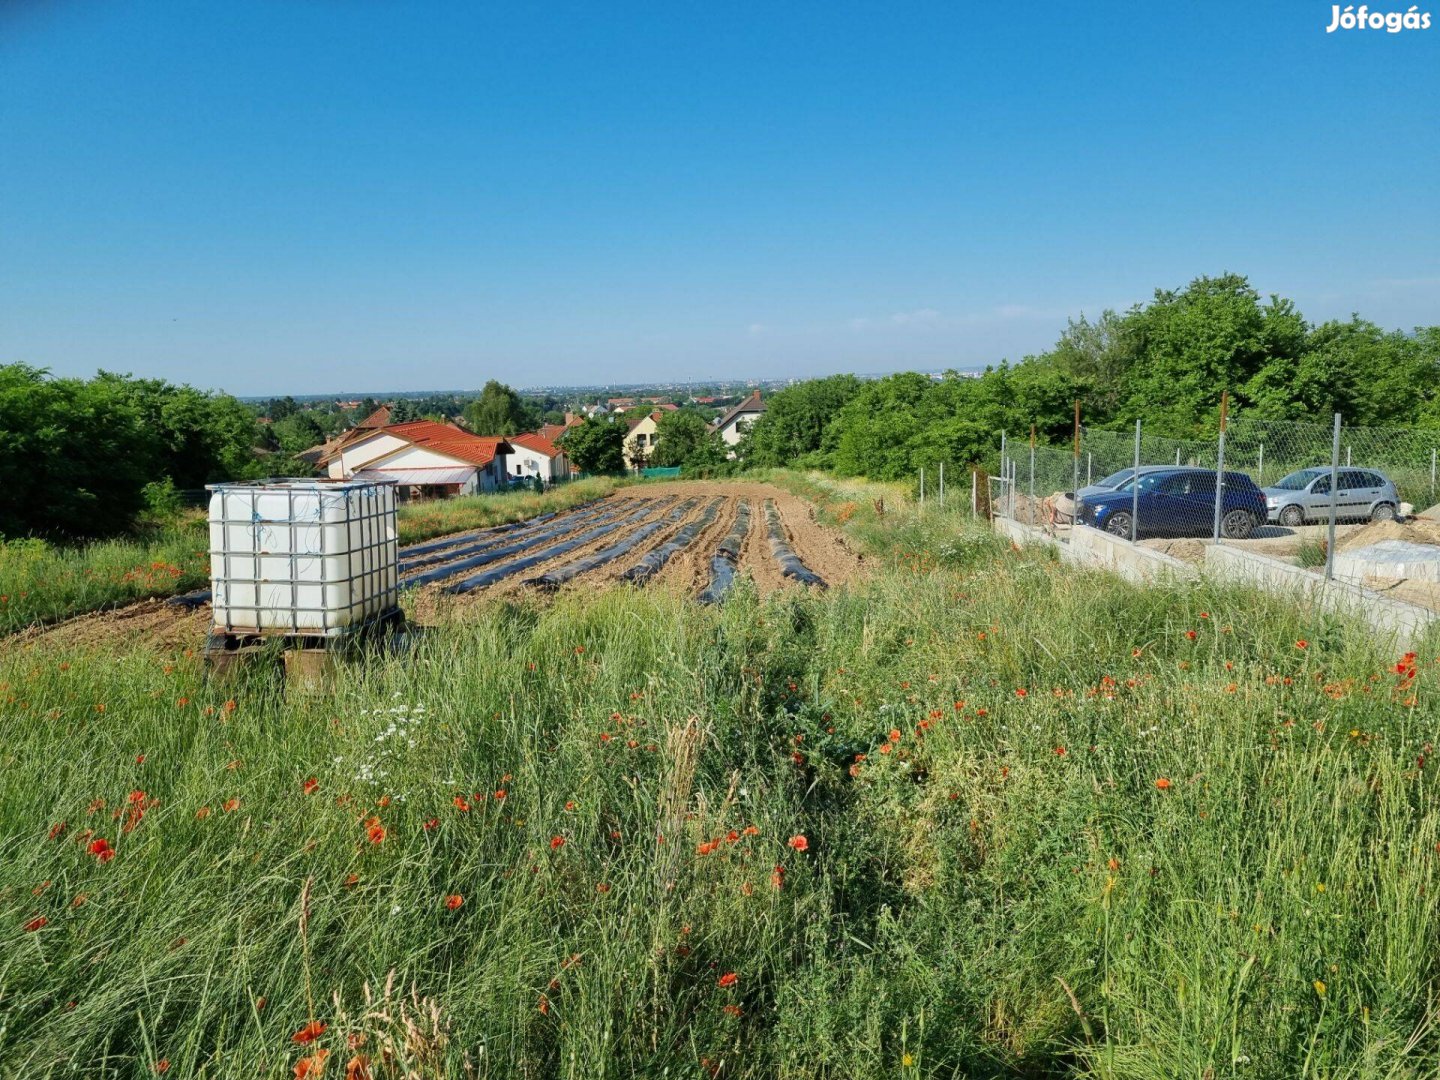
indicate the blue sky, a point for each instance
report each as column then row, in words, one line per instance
column 315, row 195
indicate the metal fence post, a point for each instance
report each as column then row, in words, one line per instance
column 1260, row 468
column 1347, row 456
column 1075, row 492
column 1220, row 463
column 1089, row 469
column 1032, row 475
column 1334, row 493
column 1004, row 469
column 1432, row 474
column 1135, row 490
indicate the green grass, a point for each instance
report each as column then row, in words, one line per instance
column 973, row 903
column 43, row 583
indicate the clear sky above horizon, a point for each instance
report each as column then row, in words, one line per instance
column 300, row 197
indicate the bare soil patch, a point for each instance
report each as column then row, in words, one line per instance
column 154, row 623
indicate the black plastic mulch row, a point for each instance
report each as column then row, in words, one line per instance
column 655, row 561
column 496, row 554
column 500, row 573
column 790, row 564
column 561, row 574
column 727, row 557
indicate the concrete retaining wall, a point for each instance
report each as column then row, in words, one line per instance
column 1405, row 623
column 1094, row 547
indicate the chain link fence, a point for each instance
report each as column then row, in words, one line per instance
column 1256, row 479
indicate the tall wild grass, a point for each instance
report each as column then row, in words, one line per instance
column 981, row 815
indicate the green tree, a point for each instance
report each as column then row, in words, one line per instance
column 683, row 438
column 597, row 446
column 791, row 430
column 499, row 410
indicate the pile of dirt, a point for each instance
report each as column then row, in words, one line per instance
column 1416, row 531
column 1433, row 514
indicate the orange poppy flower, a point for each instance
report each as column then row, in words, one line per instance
column 1163, row 783
column 308, row 1068
column 231, row 805
column 728, row 980
column 309, row 1033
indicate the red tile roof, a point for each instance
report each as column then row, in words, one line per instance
column 541, row 445
column 450, row 440
column 553, row 432
column 377, row 419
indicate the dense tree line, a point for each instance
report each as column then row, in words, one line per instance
column 84, row 457
column 1165, row 362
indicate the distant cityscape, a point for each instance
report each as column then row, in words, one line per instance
column 717, row 388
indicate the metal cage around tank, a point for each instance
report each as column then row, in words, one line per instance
column 302, row 558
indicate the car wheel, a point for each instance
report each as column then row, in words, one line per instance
column 1383, row 512
column 1292, row 517
column 1237, row 524
column 1119, row 525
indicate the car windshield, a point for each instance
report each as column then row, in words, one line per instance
column 1297, row 481
column 1116, row 479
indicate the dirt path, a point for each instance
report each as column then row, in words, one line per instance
column 162, row 626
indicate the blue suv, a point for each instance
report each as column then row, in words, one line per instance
column 1177, row 502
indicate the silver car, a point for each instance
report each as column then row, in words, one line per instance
column 1304, row 496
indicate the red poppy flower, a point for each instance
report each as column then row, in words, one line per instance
column 309, row 1033
column 1302, row 644
column 312, row 1066
column 728, row 980
column 231, row 805
column 1191, row 634
column 799, row 843
column 309, row 786
column 1060, row 751
column 102, row 850
column 375, row 832
column 35, row 924
column 461, row 804
column 1163, row 783
column 454, row 900
column 500, row 795
column 162, row 1066
column 433, row 823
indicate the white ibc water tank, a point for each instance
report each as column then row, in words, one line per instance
column 310, row 557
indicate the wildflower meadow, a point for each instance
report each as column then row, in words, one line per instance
column 977, row 814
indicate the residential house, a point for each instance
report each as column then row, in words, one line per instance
column 424, row 459
column 555, row 432
column 738, row 419
column 641, row 437
column 534, row 456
